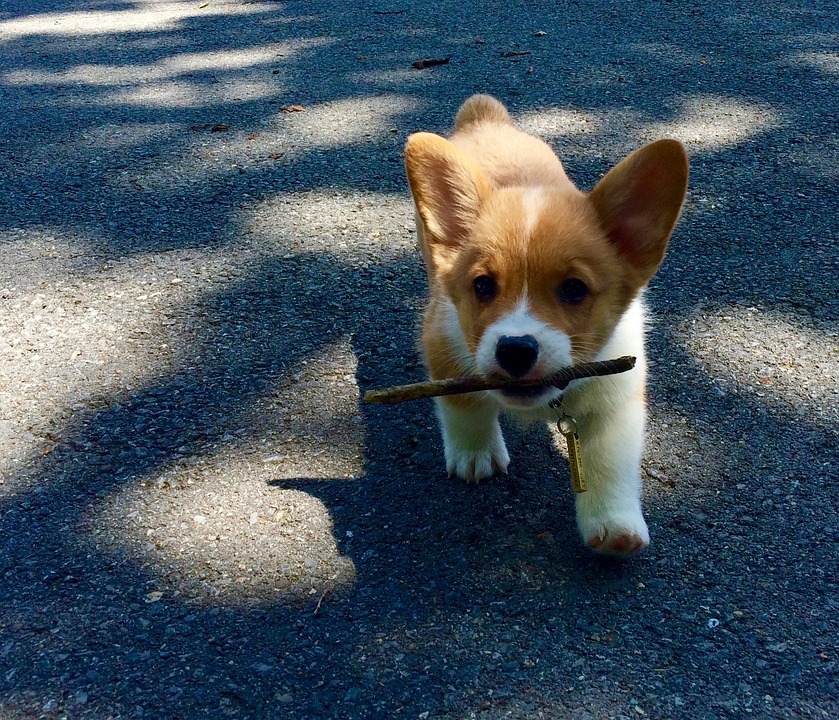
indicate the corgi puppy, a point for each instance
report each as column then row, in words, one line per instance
column 527, row 274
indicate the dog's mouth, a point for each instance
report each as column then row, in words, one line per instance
column 526, row 392
column 528, row 396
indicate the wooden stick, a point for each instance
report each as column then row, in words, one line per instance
column 456, row 386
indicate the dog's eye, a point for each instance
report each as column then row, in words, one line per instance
column 572, row 291
column 485, row 288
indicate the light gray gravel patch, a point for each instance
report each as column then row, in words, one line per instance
column 197, row 516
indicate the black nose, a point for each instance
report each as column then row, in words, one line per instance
column 517, row 355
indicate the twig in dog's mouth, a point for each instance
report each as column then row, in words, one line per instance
column 458, row 386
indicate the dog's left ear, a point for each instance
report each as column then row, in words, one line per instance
column 639, row 200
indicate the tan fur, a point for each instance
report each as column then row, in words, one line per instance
column 495, row 203
column 481, row 108
column 550, row 255
column 468, row 193
column 509, row 157
column 440, row 359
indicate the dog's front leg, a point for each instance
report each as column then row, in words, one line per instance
column 472, row 439
column 609, row 513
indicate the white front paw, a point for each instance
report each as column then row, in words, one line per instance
column 622, row 533
column 474, row 465
column 472, row 440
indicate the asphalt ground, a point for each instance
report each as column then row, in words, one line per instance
column 198, row 518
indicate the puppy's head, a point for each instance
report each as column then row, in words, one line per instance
column 540, row 276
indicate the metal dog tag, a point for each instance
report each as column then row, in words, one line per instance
column 568, row 427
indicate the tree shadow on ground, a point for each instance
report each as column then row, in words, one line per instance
column 457, row 591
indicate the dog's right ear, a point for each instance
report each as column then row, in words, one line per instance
column 448, row 190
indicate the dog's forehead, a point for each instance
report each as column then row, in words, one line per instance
column 558, row 215
column 541, row 227
column 533, row 204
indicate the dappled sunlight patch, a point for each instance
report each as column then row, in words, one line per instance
column 352, row 226
column 237, row 522
column 823, row 61
column 704, row 123
column 235, row 518
column 681, row 455
column 308, row 424
column 778, row 359
column 66, row 342
column 145, row 16
column 38, row 254
column 557, row 122
column 175, row 81
column 713, row 122
column 167, row 68
column 175, row 94
column 77, row 330
column 223, row 536
column 347, row 121
column 82, row 330
column 306, row 137
column 580, row 135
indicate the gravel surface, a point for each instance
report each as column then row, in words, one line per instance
column 197, row 280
